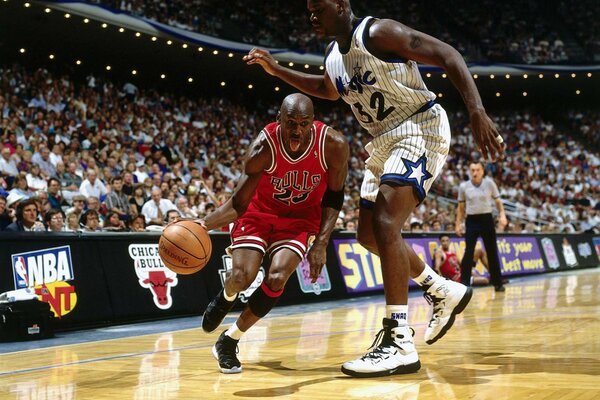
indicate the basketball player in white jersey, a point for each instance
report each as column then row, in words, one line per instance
column 372, row 65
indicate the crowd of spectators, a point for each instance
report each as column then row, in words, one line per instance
column 484, row 31
column 94, row 157
column 581, row 16
column 508, row 31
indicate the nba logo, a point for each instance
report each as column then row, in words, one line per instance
column 20, row 269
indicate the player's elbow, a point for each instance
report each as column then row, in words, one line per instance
column 449, row 58
column 239, row 205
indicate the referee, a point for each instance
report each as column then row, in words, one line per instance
column 476, row 196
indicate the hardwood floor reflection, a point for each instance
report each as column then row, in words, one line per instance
column 537, row 340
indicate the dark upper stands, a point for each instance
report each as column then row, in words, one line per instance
column 508, row 31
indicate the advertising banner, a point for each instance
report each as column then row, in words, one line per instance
column 519, row 255
column 362, row 270
column 565, row 252
column 63, row 271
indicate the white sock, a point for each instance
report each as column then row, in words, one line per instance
column 428, row 277
column 234, row 332
column 398, row 313
column 229, row 298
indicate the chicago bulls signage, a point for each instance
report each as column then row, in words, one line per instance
column 152, row 273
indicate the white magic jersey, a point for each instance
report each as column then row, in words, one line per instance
column 382, row 94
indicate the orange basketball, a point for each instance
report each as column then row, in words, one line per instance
column 185, row 247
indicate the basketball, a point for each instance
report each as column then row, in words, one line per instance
column 185, row 247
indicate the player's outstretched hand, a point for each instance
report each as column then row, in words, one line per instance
column 486, row 135
column 263, row 58
column 316, row 257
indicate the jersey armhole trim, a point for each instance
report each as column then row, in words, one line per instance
column 323, row 138
column 328, row 51
column 273, row 154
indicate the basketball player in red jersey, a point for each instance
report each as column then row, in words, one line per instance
column 447, row 263
column 292, row 190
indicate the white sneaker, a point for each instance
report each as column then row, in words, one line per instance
column 393, row 353
column 448, row 298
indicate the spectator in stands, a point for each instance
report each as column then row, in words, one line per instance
column 5, row 216
column 35, row 181
column 20, row 186
column 184, row 208
column 54, row 220
column 41, row 199
column 128, row 183
column 26, row 213
column 70, row 180
column 42, row 159
column 92, row 186
column 155, row 209
column 90, row 221
column 137, row 200
column 172, row 216
column 72, row 223
column 137, row 223
column 79, row 205
column 116, row 201
column 54, row 195
column 113, row 223
column 141, row 173
column 8, row 164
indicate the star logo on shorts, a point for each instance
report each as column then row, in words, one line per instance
column 416, row 171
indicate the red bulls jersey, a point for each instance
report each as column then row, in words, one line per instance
column 451, row 267
column 293, row 187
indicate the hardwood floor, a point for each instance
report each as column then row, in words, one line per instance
column 538, row 340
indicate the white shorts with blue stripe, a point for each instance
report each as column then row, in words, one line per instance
column 413, row 154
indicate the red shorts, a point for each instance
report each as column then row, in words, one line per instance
column 271, row 233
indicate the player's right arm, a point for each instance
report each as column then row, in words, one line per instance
column 257, row 161
column 313, row 85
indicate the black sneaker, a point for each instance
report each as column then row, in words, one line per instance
column 215, row 312
column 499, row 288
column 225, row 352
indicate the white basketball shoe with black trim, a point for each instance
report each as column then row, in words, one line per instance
column 448, row 298
column 393, row 353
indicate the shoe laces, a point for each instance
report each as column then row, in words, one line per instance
column 227, row 347
column 383, row 341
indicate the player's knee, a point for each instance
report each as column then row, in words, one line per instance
column 385, row 227
column 276, row 280
column 239, row 279
column 366, row 239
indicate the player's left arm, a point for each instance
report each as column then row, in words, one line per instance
column 389, row 38
column 439, row 260
column 337, row 152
